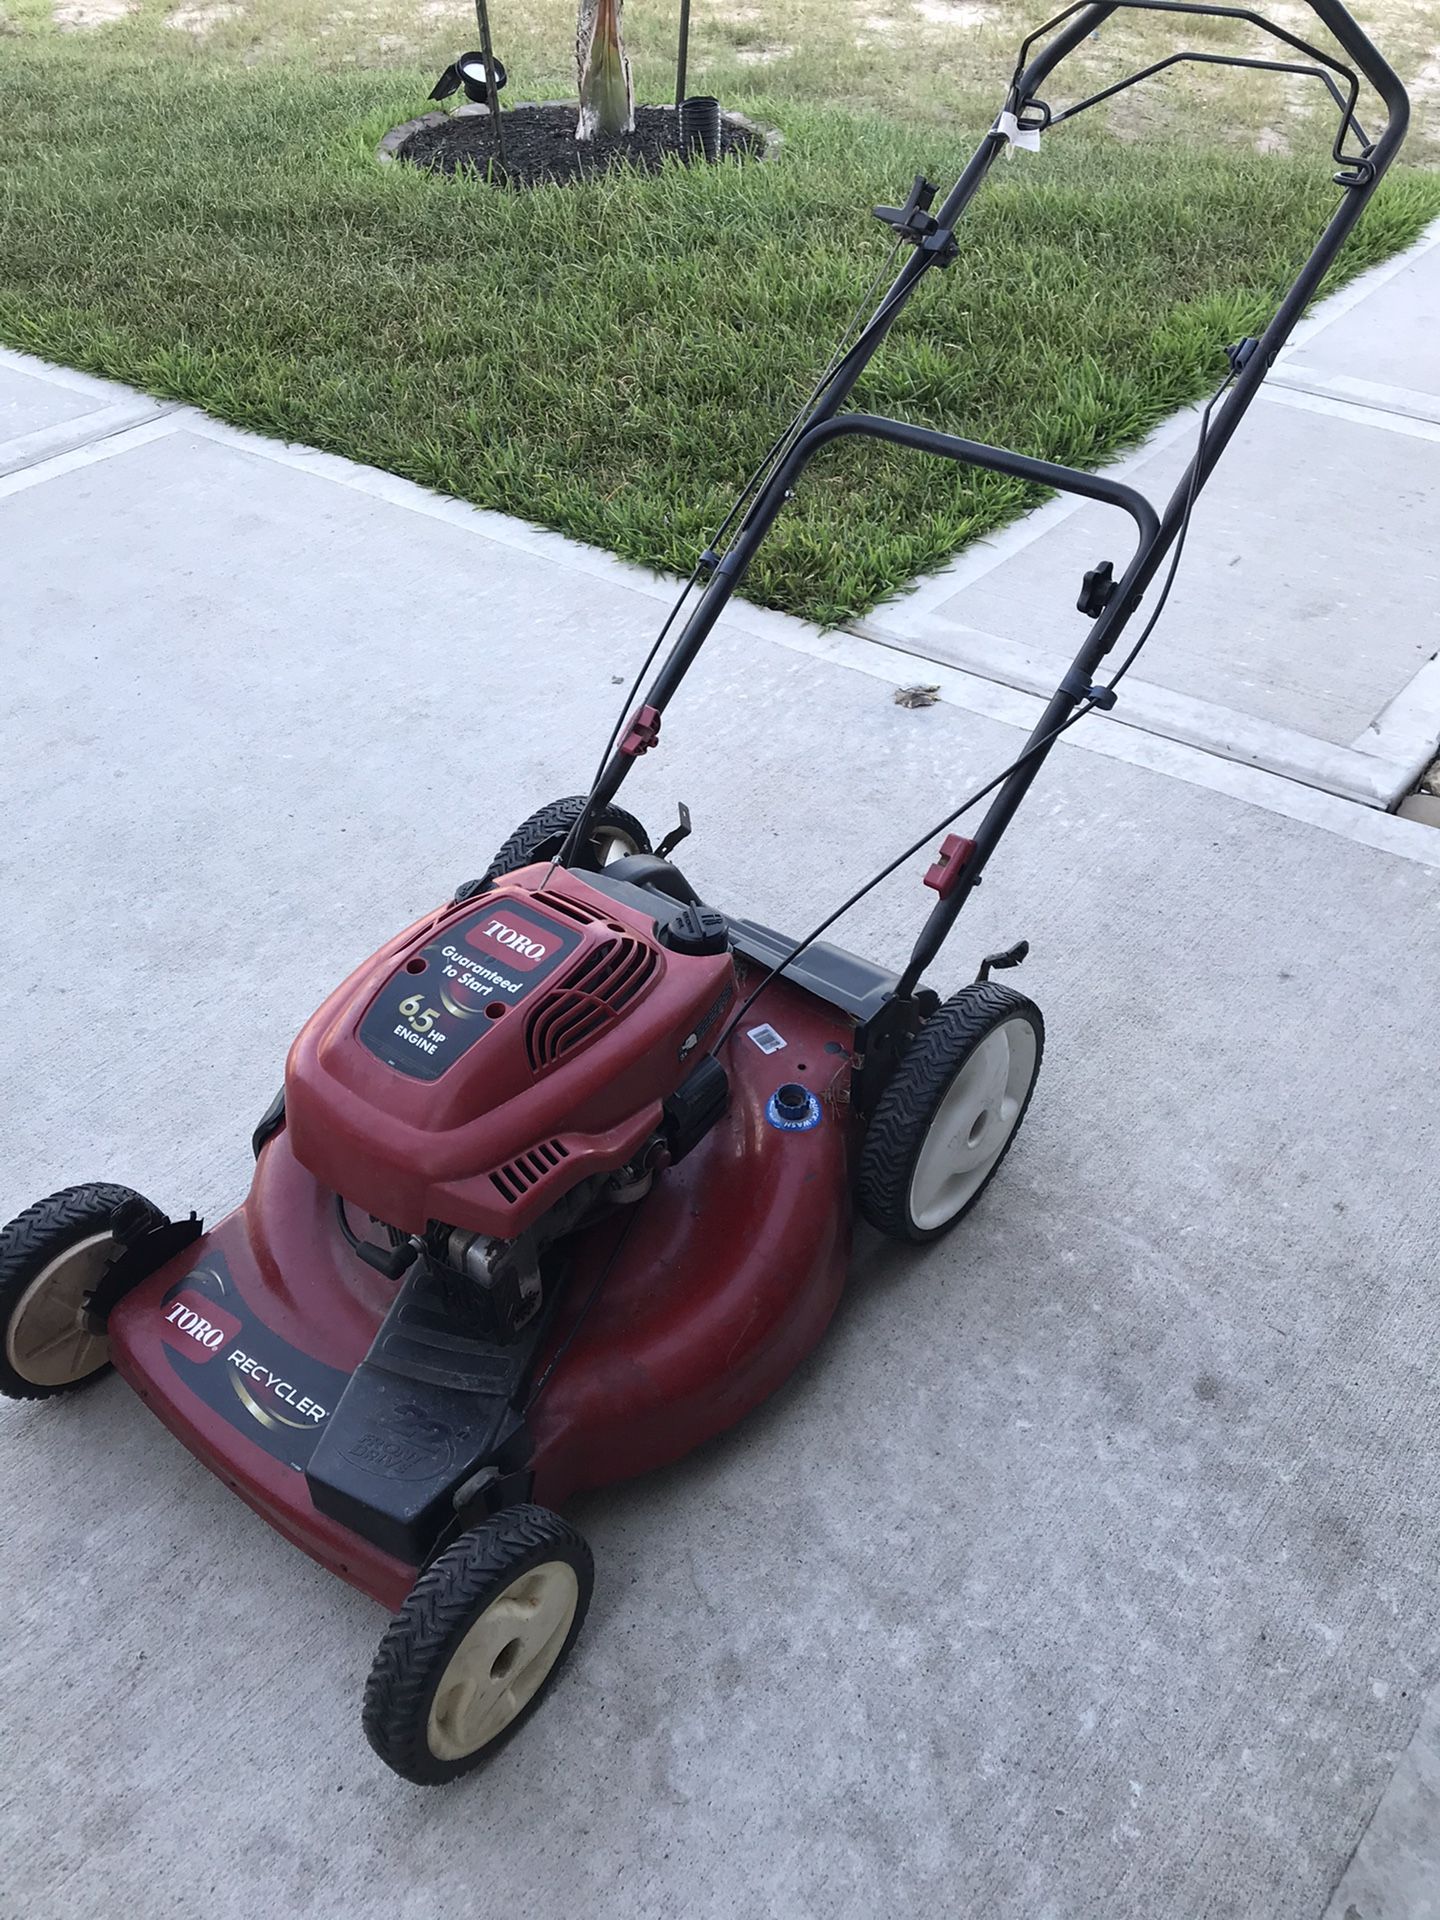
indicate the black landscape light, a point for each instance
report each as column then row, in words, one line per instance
column 473, row 73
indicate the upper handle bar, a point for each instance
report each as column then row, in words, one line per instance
column 1078, row 22
column 975, row 453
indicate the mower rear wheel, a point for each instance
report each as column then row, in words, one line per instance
column 616, row 833
column 51, row 1256
column 480, row 1638
column 950, row 1114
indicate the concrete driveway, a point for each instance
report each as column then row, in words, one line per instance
column 1089, row 1567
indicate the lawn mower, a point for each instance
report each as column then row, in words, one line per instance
column 560, row 1182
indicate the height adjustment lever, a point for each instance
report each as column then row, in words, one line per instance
column 1011, row 957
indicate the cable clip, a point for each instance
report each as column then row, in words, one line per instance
column 1079, row 688
column 914, row 221
column 1019, row 135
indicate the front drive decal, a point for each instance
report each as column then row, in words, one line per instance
column 277, row 1396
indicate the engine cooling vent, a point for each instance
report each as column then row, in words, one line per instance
column 570, row 909
column 515, row 1179
column 614, row 976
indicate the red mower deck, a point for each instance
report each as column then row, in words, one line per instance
column 244, row 1343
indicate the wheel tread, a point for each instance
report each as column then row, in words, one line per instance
column 552, row 821
column 30, row 1241
column 408, row 1662
column 902, row 1117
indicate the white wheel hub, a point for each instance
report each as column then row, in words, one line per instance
column 976, row 1116
column 47, row 1341
column 611, row 843
column 503, row 1660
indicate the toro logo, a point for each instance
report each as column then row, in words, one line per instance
column 516, row 940
column 196, row 1326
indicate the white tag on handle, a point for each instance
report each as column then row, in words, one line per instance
column 1018, row 136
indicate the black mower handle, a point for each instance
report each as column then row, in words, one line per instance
column 1110, row 605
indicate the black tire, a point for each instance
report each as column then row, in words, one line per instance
column 909, row 1106
column 31, row 1243
column 448, row 1599
column 543, row 834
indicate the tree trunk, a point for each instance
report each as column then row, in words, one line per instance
column 607, row 100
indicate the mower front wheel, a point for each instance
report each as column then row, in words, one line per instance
column 51, row 1257
column 950, row 1114
column 479, row 1640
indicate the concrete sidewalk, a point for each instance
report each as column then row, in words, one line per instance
column 1087, row 1570
column 1303, row 632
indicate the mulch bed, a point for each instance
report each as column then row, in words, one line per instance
column 540, row 145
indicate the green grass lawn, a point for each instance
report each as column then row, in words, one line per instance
column 611, row 360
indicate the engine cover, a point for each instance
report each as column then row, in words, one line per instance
column 496, row 1053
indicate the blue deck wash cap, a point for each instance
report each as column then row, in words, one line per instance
column 793, row 1108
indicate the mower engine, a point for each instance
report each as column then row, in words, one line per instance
column 505, row 1072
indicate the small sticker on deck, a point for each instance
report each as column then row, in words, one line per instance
column 766, row 1038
